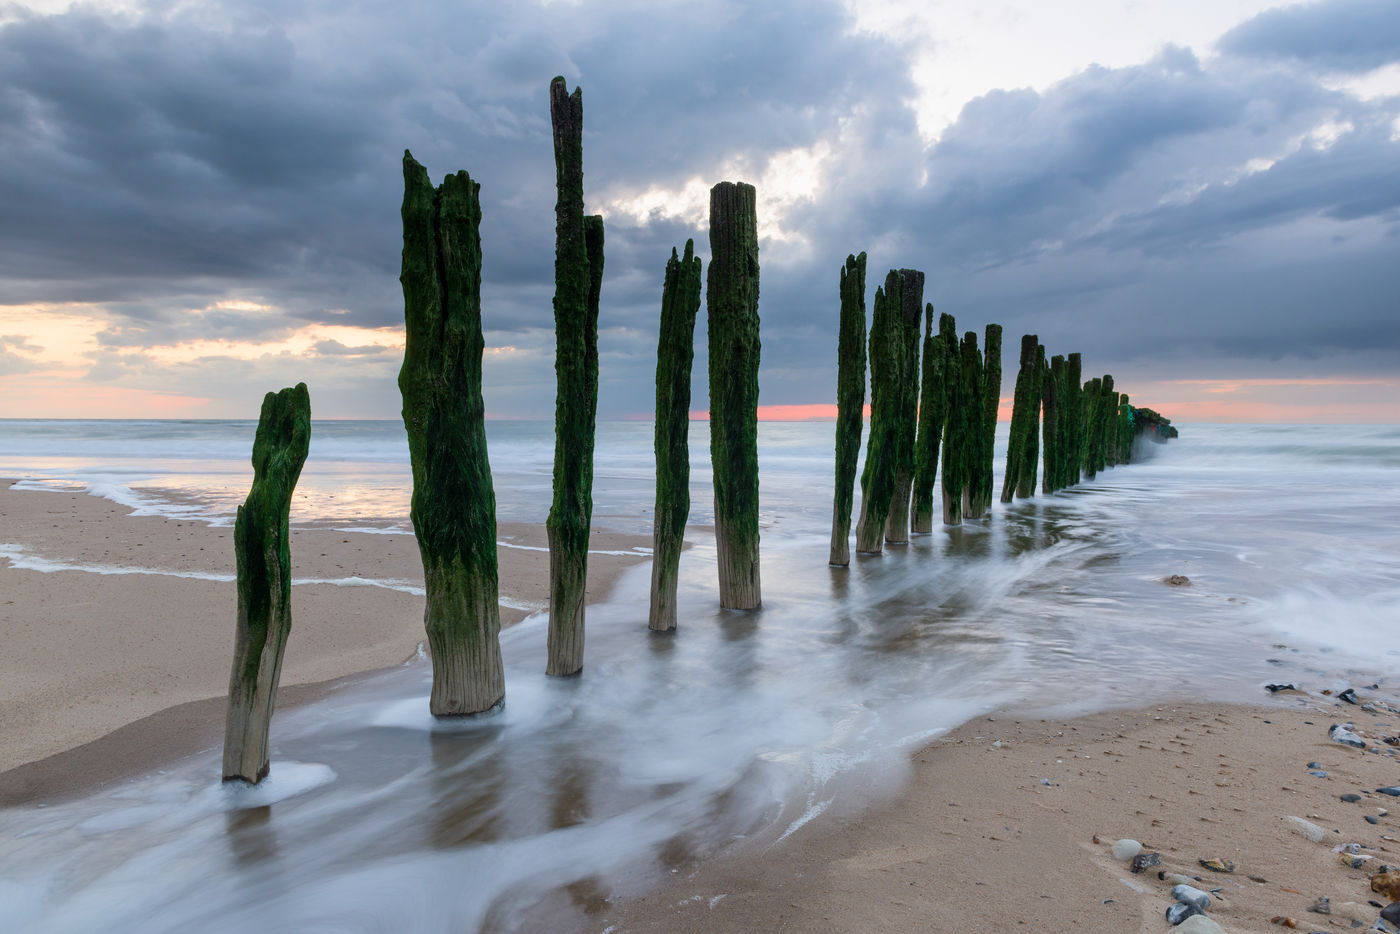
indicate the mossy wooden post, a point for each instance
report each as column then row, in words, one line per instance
column 907, row 419
column 1052, row 392
column 962, row 445
column 932, row 414
column 1021, row 447
column 979, row 500
column 850, row 404
column 675, row 352
column 1074, row 419
column 954, row 410
column 454, row 503
column 1093, row 426
column 1124, row 430
column 731, row 298
column 877, row 480
column 260, row 540
column 578, row 274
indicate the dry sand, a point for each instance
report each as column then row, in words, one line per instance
column 1005, row 824
column 87, row 653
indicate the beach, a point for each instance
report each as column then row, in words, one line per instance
column 141, row 628
column 948, row 737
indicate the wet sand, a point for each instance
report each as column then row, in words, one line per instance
column 147, row 654
column 1017, row 836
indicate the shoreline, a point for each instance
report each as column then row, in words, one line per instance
column 135, row 635
column 1007, row 823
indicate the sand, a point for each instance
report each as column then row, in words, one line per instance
column 88, row 653
column 1004, row 824
column 978, row 841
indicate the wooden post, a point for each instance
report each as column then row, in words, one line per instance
column 877, row 480
column 989, row 397
column 578, row 269
column 732, row 302
column 260, row 537
column 1052, row 388
column 454, row 503
column 1025, row 419
column 932, row 415
column 907, row 418
column 850, row 404
column 675, row 352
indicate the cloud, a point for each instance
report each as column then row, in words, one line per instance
column 207, row 179
column 1345, row 35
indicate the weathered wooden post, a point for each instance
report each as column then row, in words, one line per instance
column 989, row 396
column 454, row 504
column 732, row 301
column 877, row 480
column 906, row 425
column 1074, row 419
column 578, row 274
column 1124, row 436
column 1052, row 390
column 260, row 540
column 1021, row 447
column 675, row 352
column 850, row 404
column 962, row 444
column 1093, row 426
column 1108, row 411
column 932, row 415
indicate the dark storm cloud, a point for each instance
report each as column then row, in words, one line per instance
column 1180, row 210
column 1346, row 35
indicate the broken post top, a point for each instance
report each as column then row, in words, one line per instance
column 281, row 442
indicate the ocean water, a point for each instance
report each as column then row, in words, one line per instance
column 740, row 726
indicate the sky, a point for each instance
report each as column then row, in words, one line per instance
column 199, row 200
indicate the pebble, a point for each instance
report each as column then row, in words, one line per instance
column 1284, row 921
column 1318, row 772
column 1191, row 896
column 1387, row 884
column 1275, row 688
column 1353, row 861
column 1391, row 913
column 1323, row 906
column 1180, row 911
column 1314, row 765
column 1126, row 849
column 1351, row 799
column 1176, row 878
column 1144, row 860
column 1218, row 865
column 1348, row 696
column 1199, row 924
column 1305, row 827
column 1392, row 790
column 1342, row 733
column 1372, row 819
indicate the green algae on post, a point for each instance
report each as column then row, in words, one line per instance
column 264, row 562
column 1052, row 431
column 877, row 480
column 454, row 503
column 932, row 414
column 1025, row 422
column 989, row 396
column 578, row 273
column 731, row 299
column 1074, row 419
column 850, row 404
column 907, row 417
column 962, row 443
column 675, row 352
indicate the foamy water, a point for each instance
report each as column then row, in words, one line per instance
column 739, row 726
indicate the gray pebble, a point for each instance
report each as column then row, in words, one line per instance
column 1351, row 799
column 1372, row 819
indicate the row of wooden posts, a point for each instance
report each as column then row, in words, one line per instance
column 950, row 401
column 453, row 506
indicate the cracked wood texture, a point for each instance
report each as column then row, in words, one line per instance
column 675, row 352
column 454, row 503
column 850, row 403
column 732, row 302
column 260, row 537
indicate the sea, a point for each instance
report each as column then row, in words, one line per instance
column 741, row 728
